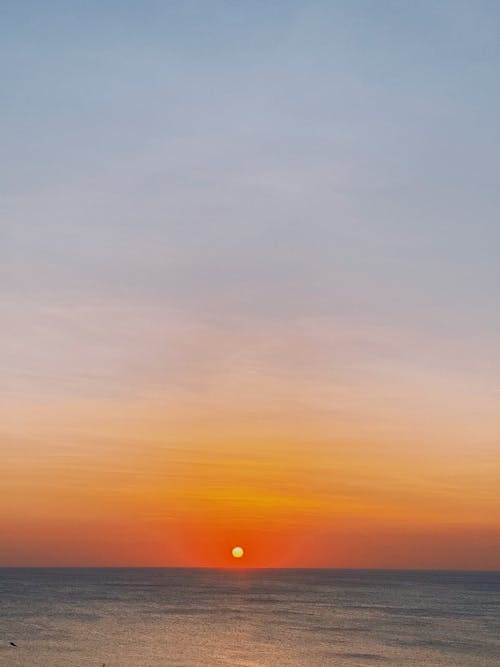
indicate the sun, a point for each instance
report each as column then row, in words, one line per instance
column 237, row 552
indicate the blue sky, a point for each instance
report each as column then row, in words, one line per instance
column 256, row 160
column 251, row 165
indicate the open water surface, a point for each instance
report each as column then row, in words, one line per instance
column 248, row 618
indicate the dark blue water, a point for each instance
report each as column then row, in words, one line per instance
column 248, row 618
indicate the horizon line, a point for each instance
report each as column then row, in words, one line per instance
column 239, row 569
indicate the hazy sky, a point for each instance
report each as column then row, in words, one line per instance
column 250, row 283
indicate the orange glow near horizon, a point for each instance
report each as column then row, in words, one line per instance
column 301, row 473
column 118, row 490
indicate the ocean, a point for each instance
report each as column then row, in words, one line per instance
column 248, row 618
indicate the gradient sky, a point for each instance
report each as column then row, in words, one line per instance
column 250, row 283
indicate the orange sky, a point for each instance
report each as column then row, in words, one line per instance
column 256, row 460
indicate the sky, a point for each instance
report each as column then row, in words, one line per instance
column 250, row 278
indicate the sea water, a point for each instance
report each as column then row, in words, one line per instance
column 248, row 618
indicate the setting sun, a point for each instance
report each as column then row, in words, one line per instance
column 237, row 552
